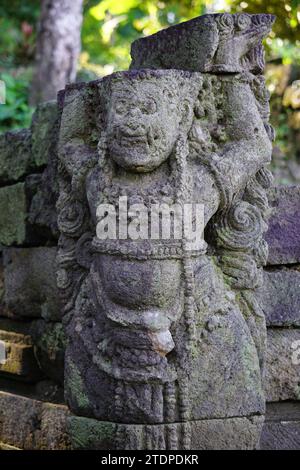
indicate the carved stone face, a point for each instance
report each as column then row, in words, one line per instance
column 143, row 124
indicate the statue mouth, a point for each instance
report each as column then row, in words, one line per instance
column 128, row 138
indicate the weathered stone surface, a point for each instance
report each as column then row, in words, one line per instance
column 2, row 307
column 32, row 425
column 47, row 390
column 7, row 447
column 279, row 296
column 49, row 342
column 283, row 236
column 13, row 208
column 28, row 150
column 44, row 390
column 43, row 129
column 281, row 436
column 282, row 380
column 210, row 395
column 15, row 228
column 19, row 361
column 160, row 332
column 42, row 212
column 227, row 434
column 283, row 411
column 15, row 156
column 30, row 282
column 210, row 43
column 281, row 430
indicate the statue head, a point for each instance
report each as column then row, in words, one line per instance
column 146, row 111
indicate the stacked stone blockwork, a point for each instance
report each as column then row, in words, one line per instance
column 208, row 390
column 31, row 334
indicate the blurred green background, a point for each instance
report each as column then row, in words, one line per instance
column 109, row 26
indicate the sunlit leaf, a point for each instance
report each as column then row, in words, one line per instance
column 113, row 7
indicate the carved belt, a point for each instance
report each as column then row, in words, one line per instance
column 145, row 249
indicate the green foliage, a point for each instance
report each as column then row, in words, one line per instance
column 15, row 113
column 110, row 26
column 18, row 21
column 283, row 43
column 287, row 25
column 20, row 10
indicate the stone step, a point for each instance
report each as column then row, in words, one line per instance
column 17, row 358
column 282, row 380
column 45, row 390
column 281, row 430
column 283, row 235
column 7, row 447
column 26, row 423
column 279, row 296
column 32, row 350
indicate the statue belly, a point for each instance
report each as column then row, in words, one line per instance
column 140, row 284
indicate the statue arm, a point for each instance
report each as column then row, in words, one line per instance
column 249, row 147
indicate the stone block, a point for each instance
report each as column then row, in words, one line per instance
column 214, row 434
column 17, row 359
column 15, row 228
column 7, row 447
column 42, row 212
column 281, row 430
column 13, row 209
column 15, row 156
column 2, row 307
column 44, row 390
column 30, row 282
column 207, row 43
column 279, row 296
column 282, row 381
column 31, row 424
column 49, row 342
column 43, row 129
column 283, row 236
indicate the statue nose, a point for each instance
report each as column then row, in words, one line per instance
column 133, row 124
column 134, row 112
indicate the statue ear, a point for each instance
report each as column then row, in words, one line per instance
column 83, row 250
column 187, row 114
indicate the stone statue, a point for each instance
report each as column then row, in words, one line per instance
column 166, row 343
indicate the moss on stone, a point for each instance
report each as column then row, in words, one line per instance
column 43, row 125
column 13, row 214
column 88, row 433
column 75, row 383
column 15, row 156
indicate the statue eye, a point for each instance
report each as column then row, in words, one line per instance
column 149, row 107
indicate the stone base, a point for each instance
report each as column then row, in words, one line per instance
column 31, row 424
column 216, row 434
column 7, row 447
column 282, row 428
column 282, row 367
